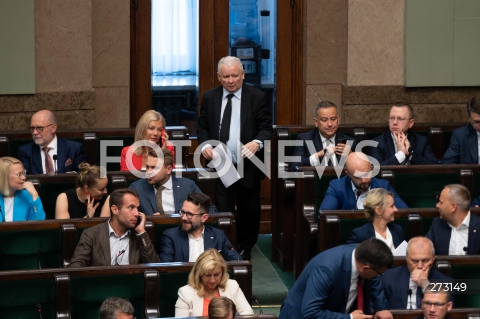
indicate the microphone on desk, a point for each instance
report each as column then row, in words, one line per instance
column 437, row 196
column 39, row 254
column 39, row 309
column 230, row 247
column 255, row 300
column 55, row 163
column 409, row 292
column 465, row 248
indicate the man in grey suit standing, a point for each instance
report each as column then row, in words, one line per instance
column 120, row 241
column 161, row 193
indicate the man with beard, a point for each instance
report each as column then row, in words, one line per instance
column 350, row 191
column 192, row 237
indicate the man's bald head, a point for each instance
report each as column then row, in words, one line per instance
column 359, row 168
column 45, row 115
column 420, row 253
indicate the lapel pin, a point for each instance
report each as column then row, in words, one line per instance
column 474, row 230
column 211, row 237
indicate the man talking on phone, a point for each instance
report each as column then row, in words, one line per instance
column 329, row 144
column 122, row 240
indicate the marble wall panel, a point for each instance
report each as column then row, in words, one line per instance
column 11, row 103
column 54, row 101
column 111, row 43
column 112, row 107
column 317, row 93
column 325, row 41
column 375, row 42
column 63, row 45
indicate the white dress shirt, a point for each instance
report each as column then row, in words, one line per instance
column 398, row 154
column 388, row 240
column 352, row 292
column 117, row 245
column 413, row 298
column 459, row 237
column 168, row 202
column 8, row 203
column 361, row 198
column 314, row 160
column 195, row 246
column 51, row 152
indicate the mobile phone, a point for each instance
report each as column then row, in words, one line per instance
column 342, row 141
column 139, row 220
column 163, row 139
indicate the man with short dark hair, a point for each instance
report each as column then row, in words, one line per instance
column 404, row 285
column 162, row 193
column 436, row 303
column 399, row 145
column 456, row 230
column 116, row 308
column 221, row 308
column 465, row 141
column 114, row 241
column 38, row 157
column 332, row 284
column 192, row 237
column 328, row 142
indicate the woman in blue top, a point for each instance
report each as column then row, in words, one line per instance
column 19, row 200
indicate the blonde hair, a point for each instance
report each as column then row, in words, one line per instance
column 376, row 197
column 147, row 117
column 89, row 175
column 5, row 163
column 207, row 261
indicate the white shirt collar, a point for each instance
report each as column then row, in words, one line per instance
column 464, row 224
column 355, row 189
column 111, row 231
column 237, row 94
column 354, row 273
column 324, row 138
column 52, row 145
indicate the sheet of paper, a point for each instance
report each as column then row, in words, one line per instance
column 401, row 250
column 224, row 166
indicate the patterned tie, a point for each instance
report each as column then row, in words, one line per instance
column 48, row 161
column 227, row 116
column 158, row 199
column 360, row 293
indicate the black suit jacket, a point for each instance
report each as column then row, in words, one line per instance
column 255, row 122
column 385, row 150
column 314, row 136
column 440, row 233
column 463, row 148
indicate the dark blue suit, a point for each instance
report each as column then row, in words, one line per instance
column 29, row 155
column 174, row 244
column 396, row 281
column 367, row 231
column 440, row 233
column 475, row 202
column 314, row 136
column 340, row 195
column 322, row 289
column 463, row 148
column 385, row 150
column 181, row 188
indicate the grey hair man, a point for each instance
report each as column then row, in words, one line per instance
column 116, row 308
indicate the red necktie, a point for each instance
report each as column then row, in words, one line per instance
column 48, row 161
column 360, row 293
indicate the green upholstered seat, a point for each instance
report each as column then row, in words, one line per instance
column 321, row 186
column 469, row 273
column 50, row 192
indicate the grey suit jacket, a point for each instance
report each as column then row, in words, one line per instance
column 181, row 188
column 93, row 249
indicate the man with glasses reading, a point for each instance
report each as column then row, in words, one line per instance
column 435, row 304
column 49, row 154
column 192, row 237
column 404, row 286
column 399, row 145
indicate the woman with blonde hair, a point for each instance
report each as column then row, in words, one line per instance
column 379, row 210
column 19, row 201
column 150, row 127
column 88, row 199
column 209, row 279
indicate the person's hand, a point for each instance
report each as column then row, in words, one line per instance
column 141, row 226
column 331, row 150
column 90, row 207
column 358, row 314
column 28, row 186
column 420, row 276
column 384, row 314
column 402, row 142
column 249, row 149
column 157, row 214
column 340, row 148
column 208, row 153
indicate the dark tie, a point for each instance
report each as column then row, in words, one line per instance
column 227, row 115
column 48, row 161
column 158, row 199
column 360, row 293
column 419, row 297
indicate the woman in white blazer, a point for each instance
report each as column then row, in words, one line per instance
column 209, row 279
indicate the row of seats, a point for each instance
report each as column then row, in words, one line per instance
column 51, row 243
column 78, row 293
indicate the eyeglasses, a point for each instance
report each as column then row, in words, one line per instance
column 437, row 305
column 38, row 128
column 379, row 273
column 189, row 215
column 24, row 173
column 398, row 119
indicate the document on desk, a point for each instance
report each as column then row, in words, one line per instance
column 223, row 165
column 401, row 250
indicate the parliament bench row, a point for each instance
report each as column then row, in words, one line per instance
column 292, row 198
column 50, row 186
column 92, row 139
column 51, row 243
column 78, row 293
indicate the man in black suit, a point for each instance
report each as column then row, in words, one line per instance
column 235, row 113
column 399, row 145
column 325, row 138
